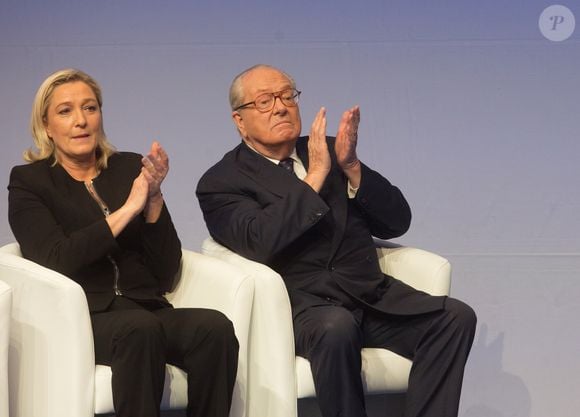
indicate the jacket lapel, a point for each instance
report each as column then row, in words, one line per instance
column 276, row 181
column 263, row 171
column 333, row 191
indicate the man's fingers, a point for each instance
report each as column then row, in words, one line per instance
column 319, row 124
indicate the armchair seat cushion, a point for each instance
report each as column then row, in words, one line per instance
column 174, row 393
column 382, row 372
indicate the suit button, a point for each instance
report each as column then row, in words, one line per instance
column 315, row 217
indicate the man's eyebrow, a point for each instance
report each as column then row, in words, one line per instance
column 267, row 90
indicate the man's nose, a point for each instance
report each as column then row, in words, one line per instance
column 279, row 107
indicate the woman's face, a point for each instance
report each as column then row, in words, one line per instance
column 73, row 122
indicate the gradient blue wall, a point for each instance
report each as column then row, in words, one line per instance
column 465, row 105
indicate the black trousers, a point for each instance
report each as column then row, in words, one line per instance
column 137, row 340
column 438, row 343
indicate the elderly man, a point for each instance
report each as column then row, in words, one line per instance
column 308, row 208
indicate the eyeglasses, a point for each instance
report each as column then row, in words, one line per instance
column 265, row 102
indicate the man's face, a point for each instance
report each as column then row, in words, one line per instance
column 275, row 129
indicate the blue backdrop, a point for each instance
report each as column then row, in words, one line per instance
column 467, row 105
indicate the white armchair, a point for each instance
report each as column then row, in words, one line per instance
column 277, row 378
column 52, row 368
column 5, row 309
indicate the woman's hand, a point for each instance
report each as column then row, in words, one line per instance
column 135, row 204
column 155, row 168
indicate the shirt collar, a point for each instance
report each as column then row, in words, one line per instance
column 293, row 154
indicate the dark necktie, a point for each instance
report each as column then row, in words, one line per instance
column 287, row 164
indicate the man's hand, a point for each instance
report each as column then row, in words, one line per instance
column 345, row 145
column 318, row 156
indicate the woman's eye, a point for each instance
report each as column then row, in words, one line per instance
column 64, row 111
column 91, row 108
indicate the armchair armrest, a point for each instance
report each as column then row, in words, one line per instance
column 51, row 356
column 272, row 391
column 5, row 313
column 418, row 268
column 206, row 282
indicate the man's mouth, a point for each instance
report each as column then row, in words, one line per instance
column 282, row 122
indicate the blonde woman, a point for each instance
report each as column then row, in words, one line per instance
column 98, row 216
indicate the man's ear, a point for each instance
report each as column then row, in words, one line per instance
column 239, row 122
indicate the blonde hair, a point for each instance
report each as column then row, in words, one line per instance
column 236, row 94
column 44, row 145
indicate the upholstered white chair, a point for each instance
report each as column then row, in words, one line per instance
column 277, row 378
column 52, row 368
column 5, row 311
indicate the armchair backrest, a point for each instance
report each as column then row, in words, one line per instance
column 423, row 270
column 49, row 314
column 11, row 248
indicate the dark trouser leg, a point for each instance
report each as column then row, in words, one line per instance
column 438, row 343
column 202, row 342
column 330, row 338
column 131, row 341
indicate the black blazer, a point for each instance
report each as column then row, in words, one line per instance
column 320, row 243
column 59, row 225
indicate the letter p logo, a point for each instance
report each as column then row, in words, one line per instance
column 556, row 20
column 557, row 23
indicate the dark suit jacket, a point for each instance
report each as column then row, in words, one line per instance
column 321, row 244
column 59, row 225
